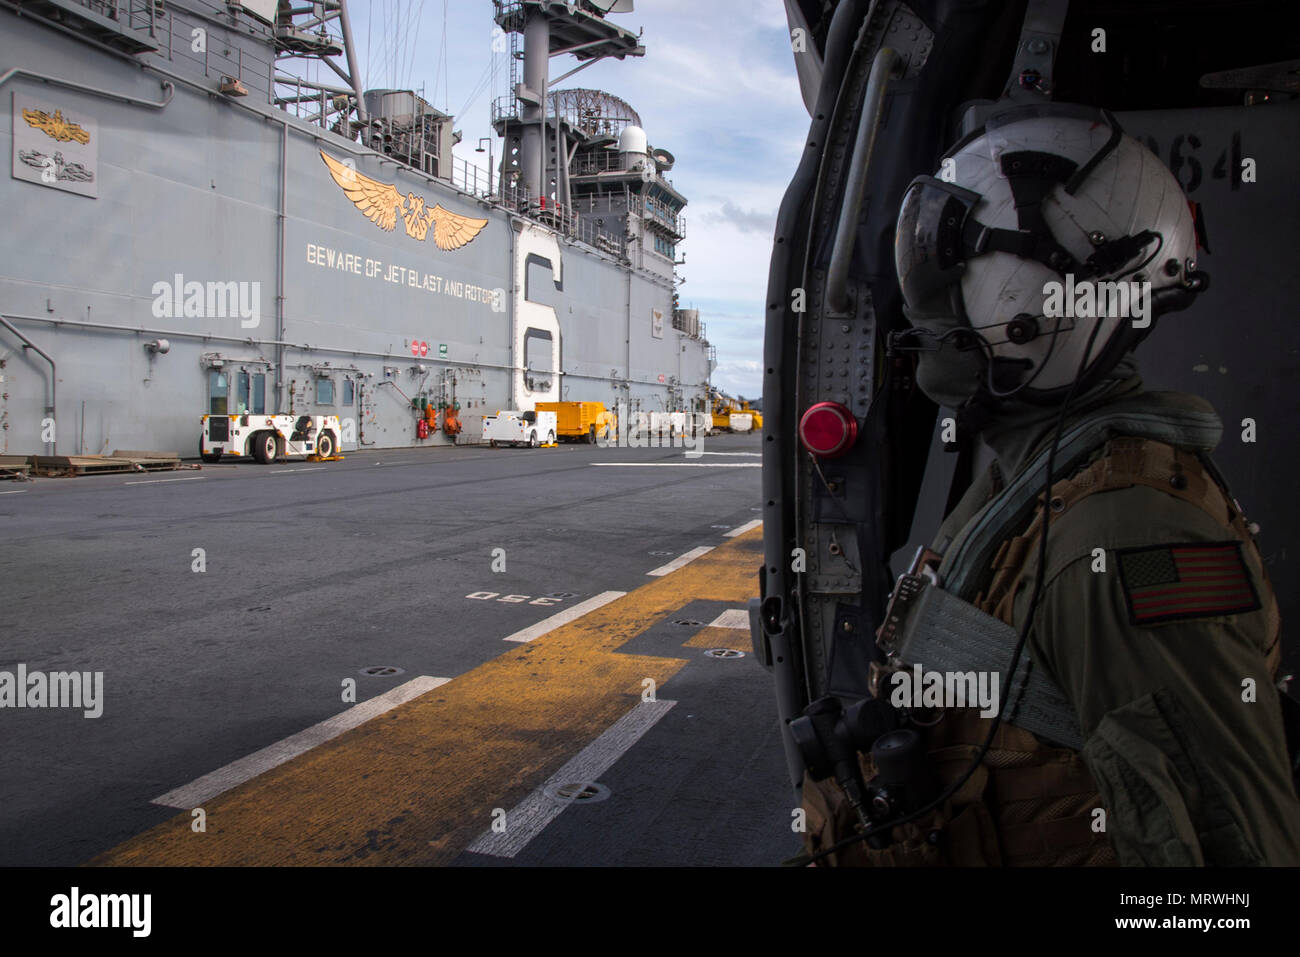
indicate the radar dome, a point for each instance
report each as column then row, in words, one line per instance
column 632, row 140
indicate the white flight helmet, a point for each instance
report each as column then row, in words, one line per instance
column 996, row 255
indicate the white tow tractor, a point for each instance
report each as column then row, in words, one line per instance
column 519, row 428
column 269, row 437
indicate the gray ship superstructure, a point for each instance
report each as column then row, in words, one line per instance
column 193, row 227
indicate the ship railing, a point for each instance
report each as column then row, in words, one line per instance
column 476, row 180
column 505, row 108
column 509, row 14
column 170, row 38
column 607, row 242
column 563, row 219
column 658, row 212
column 152, row 27
column 132, row 14
column 132, row 26
column 597, row 162
column 610, row 161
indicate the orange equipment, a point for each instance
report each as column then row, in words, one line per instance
column 450, row 421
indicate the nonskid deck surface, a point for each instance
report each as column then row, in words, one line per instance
column 553, row 702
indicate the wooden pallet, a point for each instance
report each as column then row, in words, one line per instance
column 103, row 464
column 15, row 466
column 151, row 461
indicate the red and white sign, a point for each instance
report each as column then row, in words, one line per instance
column 419, row 347
column 424, row 348
column 415, row 347
column 661, row 377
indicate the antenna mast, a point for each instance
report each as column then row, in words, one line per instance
column 321, row 31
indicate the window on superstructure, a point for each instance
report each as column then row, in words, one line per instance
column 348, row 391
column 324, row 391
column 243, row 393
column 218, row 387
column 259, row 394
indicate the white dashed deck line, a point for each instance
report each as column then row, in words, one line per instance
column 679, row 561
column 732, row 618
column 192, row 478
column 530, row 816
column 533, row 632
column 217, row 782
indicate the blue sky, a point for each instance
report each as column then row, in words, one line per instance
column 717, row 88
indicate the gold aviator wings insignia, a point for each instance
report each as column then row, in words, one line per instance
column 56, row 127
column 382, row 204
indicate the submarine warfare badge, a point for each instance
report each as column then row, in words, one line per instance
column 382, row 203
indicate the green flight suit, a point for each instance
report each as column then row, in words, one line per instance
column 1180, row 713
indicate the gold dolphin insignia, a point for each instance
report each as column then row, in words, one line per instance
column 381, row 202
column 56, row 126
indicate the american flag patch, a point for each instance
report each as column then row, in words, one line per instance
column 1171, row 582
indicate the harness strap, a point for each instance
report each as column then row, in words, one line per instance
column 973, row 550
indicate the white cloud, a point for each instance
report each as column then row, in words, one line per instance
column 741, row 377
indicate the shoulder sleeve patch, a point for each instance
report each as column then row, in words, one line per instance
column 1197, row 580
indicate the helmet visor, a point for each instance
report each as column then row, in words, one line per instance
column 928, row 250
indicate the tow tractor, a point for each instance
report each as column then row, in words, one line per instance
column 269, row 437
column 519, row 428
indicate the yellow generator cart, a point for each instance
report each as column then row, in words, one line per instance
column 580, row 421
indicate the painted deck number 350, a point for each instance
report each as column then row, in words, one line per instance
column 514, row 599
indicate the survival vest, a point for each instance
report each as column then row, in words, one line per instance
column 1031, row 801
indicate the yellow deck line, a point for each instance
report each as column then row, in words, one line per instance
column 708, row 637
column 419, row 783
